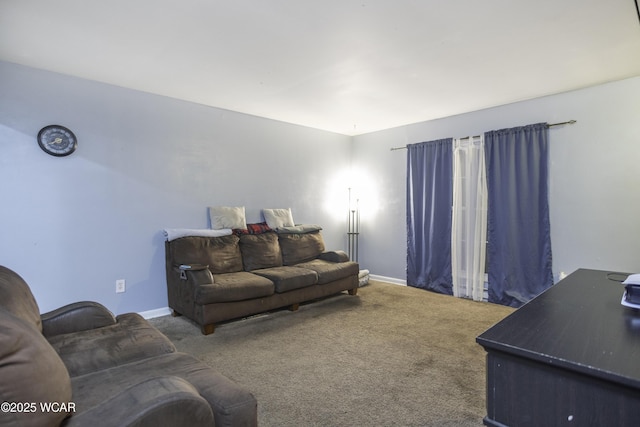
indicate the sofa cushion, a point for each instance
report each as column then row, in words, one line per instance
column 157, row 401
column 232, row 404
column 330, row 271
column 16, row 297
column 288, row 278
column 221, row 254
column 260, row 251
column 130, row 338
column 298, row 248
column 234, row 287
column 30, row 372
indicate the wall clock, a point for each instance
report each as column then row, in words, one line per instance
column 57, row 140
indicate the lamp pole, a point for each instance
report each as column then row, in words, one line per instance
column 353, row 227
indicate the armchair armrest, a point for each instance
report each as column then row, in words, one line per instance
column 79, row 316
column 334, row 256
column 159, row 401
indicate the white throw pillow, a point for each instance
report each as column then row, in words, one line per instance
column 227, row 217
column 277, row 218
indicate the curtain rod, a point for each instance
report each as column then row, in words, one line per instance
column 570, row 122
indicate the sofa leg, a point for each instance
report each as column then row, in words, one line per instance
column 208, row 329
column 353, row 291
column 294, row 307
column 175, row 313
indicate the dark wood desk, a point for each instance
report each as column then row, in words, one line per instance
column 570, row 357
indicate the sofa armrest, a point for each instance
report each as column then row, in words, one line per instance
column 182, row 285
column 195, row 274
column 159, row 401
column 79, row 316
column 334, row 256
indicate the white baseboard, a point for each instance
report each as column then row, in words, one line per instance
column 158, row 312
column 392, row 280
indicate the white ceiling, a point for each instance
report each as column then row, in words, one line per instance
column 345, row 66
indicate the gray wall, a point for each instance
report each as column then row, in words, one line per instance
column 594, row 177
column 72, row 226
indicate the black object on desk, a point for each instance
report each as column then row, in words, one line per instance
column 569, row 357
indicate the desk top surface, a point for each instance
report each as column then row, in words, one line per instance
column 578, row 324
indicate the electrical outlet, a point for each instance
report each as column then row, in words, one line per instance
column 120, row 286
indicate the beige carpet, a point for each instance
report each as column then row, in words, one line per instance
column 390, row 356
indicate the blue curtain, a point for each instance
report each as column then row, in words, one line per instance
column 518, row 231
column 429, row 199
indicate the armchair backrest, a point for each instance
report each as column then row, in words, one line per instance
column 31, row 373
column 17, row 299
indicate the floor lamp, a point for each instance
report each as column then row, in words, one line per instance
column 353, row 228
column 353, row 233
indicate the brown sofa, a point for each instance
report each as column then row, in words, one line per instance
column 214, row 279
column 82, row 366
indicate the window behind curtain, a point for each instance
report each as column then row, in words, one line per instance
column 469, row 218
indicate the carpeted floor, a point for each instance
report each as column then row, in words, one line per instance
column 390, row 356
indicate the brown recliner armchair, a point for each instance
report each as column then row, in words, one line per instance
column 80, row 365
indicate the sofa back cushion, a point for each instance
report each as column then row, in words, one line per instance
column 221, row 254
column 16, row 297
column 31, row 373
column 260, row 251
column 297, row 248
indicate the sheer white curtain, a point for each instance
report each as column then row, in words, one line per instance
column 469, row 218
